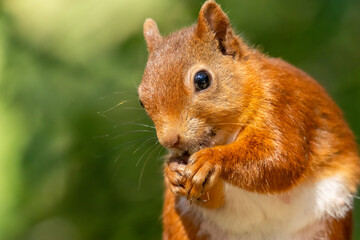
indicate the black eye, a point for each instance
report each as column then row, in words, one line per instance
column 141, row 104
column 201, row 80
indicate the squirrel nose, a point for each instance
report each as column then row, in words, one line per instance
column 171, row 141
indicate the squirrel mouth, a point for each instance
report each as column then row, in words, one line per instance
column 205, row 142
column 210, row 139
column 183, row 158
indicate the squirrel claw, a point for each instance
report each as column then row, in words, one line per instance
column 201, row 175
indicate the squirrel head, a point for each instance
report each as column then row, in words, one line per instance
column 192, row 84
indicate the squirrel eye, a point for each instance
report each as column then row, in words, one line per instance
column 141, row 104
column 201, row 80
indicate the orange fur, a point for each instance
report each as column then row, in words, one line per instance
column 341, row 229
column 286, row 128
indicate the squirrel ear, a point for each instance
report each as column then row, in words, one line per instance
column 151, row 34
column 213, row 20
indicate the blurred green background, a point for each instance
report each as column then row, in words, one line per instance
column 77, row 160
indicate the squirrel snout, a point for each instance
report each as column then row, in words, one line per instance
column 171, row 140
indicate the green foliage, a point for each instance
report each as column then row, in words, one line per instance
column 76, row 159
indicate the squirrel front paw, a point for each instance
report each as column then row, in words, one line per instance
column 174, row 177
column 201, row 173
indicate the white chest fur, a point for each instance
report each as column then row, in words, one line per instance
column 297, row 214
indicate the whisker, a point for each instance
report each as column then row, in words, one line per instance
column 106, row 117
column 134, row 131
column 103, row 136
column 146, row 161
column 117, row 122
column 137, row 124
column 356, row 197
column 133, row 108
column 116, row 172
column 119, row 146
column 144, row 125
column 118, row 104
column 144, row 143
column 137, row 163
column 132, row 122
column 158, row 156
column 102, row 98
column 118, row 167
column 121, row 134
column 117, row 159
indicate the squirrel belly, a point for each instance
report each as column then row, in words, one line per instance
column 257, row 148
column 298, row 214
column 304, row 212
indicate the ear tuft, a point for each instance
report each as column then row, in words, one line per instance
column 151, row 34
column 212, row 21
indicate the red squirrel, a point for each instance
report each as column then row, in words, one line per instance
column 257, row 148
